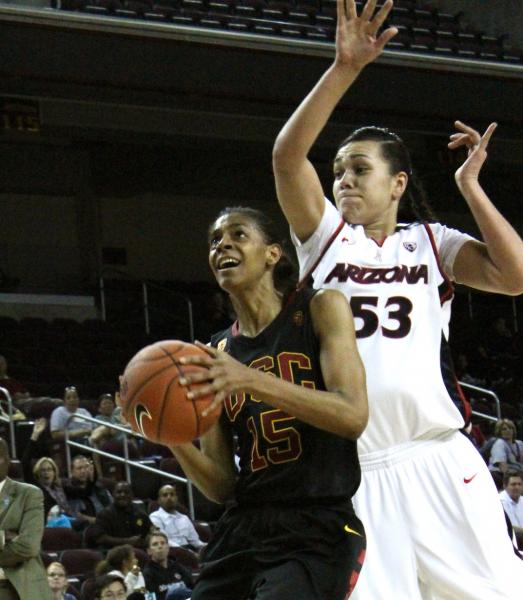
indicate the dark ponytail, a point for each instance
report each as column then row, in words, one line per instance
column 414, row 204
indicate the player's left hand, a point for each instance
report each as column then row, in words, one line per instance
column 224, row 375
column 476, row 145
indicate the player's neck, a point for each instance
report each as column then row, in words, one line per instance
column 256, row 310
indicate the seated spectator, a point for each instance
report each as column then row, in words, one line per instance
column 17, row 391
column 163, row 575
column 512, row 503
column 77, row 429
column 101, row 434
column 47, row 478
column 177, row 527
column 107, row 412
column 123, row 522
column 57, row 578
column 121, row 561
column 109, row 587
column 507, row 451
column 85, row 496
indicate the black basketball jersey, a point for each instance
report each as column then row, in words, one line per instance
column 282, row 459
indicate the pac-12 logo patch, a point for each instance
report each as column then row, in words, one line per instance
column 140, row 413
column 410, row 246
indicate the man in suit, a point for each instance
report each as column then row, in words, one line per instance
column 22, row 574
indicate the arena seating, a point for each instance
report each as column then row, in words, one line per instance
column 421, row 31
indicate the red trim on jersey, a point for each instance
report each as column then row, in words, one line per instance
column 355, row 574
column 449, row 291
column 304, row 279
column 380, row 244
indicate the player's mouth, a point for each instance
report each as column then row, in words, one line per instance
column 227, row 262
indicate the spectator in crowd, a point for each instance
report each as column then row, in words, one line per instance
column 121, row 561
column 123, row 522
column 109, row 587
column 163, row 575
column 47, row 478
column 57, row 579
column 17, row 390
column 512, row 503
column 44, row 473
column 86, row 497
column 177, row 527
column 506, row 452
column 22, row 573
column 78, row 429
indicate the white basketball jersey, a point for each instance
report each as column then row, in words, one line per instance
column 400, row 297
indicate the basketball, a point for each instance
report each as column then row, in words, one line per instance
column 155, row 404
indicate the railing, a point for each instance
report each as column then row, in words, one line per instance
column 9, row 420
column 128, row 462
column 486, row 393
column 145, row 298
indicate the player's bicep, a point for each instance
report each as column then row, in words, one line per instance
column 341, row 365
column 474, row 268
column 301, row 198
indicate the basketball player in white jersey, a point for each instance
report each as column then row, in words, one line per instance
column 434, row 522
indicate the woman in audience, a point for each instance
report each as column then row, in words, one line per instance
column 121, row 561
column 110, row 586
column 506, row 451
column 47, row 478
column 57, row 578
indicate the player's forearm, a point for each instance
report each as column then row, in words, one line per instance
column 503, row 244
column 301, row 130
column 213, row 480
column 343, row 413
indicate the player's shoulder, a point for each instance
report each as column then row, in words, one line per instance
column 327, row 299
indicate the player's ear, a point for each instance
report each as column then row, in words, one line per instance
column 274, row 252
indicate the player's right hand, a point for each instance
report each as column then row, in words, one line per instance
column 358, row 41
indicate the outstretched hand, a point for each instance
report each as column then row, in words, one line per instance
column 223, row 376
column 357, row 39
column 476, row 145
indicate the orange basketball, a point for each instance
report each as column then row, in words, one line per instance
column 153, row 401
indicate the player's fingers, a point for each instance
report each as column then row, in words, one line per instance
column 385, row 37
column 474, row 135
column 485, row 139
column 368, row 10
column 346, row 9
column 381, row 17
column 200, row 391
column 195, row 359
column 218, row 399
column 210, row 350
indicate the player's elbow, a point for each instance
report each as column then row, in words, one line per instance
column 357, row 417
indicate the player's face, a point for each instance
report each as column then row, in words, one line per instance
column 238, row 254
column 364, row 190
column 158, row 548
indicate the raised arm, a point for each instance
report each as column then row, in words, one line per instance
column 341, row 410
column 297, row 184
column 496, row 265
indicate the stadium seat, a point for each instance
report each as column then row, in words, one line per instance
column 80, row 562
column 56, row 539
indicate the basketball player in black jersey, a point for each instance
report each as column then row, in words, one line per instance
column 293, row 388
